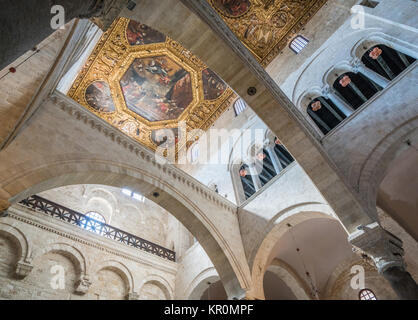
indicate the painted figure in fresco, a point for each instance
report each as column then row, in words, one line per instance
column 157, row 88
column 98, row 96
column 213, row 86
column 139, row 34
column 233, row 8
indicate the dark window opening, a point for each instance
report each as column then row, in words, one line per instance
column 325, row 114
column 387, row 62
column 355, row 88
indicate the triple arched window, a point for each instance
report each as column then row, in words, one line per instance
column 270, row 161
column 379, row 65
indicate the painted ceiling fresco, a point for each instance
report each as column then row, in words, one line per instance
column 144, row 83
column 266, row 26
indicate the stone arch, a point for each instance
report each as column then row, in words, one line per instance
column 79, row 169
column 374, row 169
column 290, row 278
column 376, row 38
column 199, row 284
column 20, row 239
column 67, row 250
column 160, row 282
column 263, row 258
column 121, row 269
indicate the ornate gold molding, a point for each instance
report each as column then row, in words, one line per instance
column 110, row 60
column 265, row 27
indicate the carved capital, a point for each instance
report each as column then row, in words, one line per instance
column 357, row 65
column 133, row 296
column 384, row 248
column 107, row 12
column 23, row 269
column 83, row 285
column 4, row 205
column 326, row 91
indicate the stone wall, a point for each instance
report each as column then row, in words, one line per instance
column 38, row 249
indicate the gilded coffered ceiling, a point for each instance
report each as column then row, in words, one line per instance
column 141, row 81
column 266, row 26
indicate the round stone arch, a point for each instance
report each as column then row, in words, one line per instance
column 19, row 239
column 286, row 273
column 60, row 172
column 118, row 267
column 199, row 284
column 159, row 282
column 67, row 250
column 379, row 161
column 263, row 256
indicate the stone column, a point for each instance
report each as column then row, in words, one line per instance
column 330, row 94
column 27, row 23
column 133, row 296
column 254, row 172
column 274, row 158
column 359, row 66
column 385, row 249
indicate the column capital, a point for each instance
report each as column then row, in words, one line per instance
column 357, row 65
column 326, row 91
column 106, row 11
column 133, row 296
column 83, row 284
column 23, row 269
column 4, row 205
column 383, row 247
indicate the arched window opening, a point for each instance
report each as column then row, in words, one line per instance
column 325, row 114
column 267, row 170
column 355, row 88
column 93, row 222
column 239, row 106
column 247, row 181
column 386, row 61
column 284, row 156
column 367, row 294
column 298, row 43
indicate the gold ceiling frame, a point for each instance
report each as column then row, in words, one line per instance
column 110, row 60
column 293, row 14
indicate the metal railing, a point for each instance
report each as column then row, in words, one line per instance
column 57, row 211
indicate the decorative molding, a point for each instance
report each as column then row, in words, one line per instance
column 83, row 284
column 267, row 26
column 80, row 113
column 23, row 269
column 60, row 228
column 113, row 56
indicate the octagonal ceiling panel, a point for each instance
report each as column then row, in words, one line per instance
column 144, row 83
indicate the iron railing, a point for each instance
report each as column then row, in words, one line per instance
column 57, row 211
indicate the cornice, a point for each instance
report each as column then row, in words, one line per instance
column 74, row 233
column 116, row 136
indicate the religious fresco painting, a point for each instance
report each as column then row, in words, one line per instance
column 140, row 34
column 98, row 97
column 169, row 136
column 213, row 86
column 157, row 88
column 232, row 8
column 143, row 83
column 266, row 27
